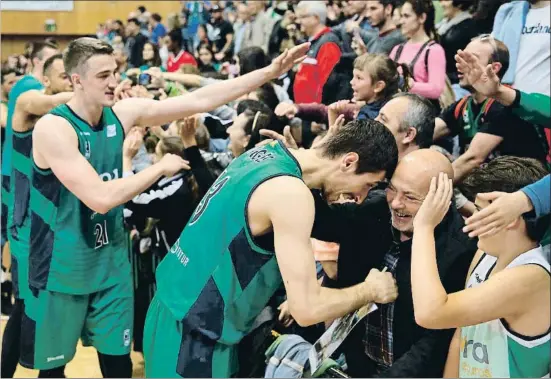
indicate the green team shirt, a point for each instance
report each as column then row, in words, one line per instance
column 15, row 191
column 492, row 349
column 75, row 250
column 217, row 278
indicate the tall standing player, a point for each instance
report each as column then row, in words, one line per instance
column 79, row 269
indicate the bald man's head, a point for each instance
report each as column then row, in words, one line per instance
column 410, row 184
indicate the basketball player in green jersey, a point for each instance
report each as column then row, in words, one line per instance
column 248, row 235
column 30, row 106
column 79, row 270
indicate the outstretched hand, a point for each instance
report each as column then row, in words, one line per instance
column 504, row 209
column 436, row 204
column 483, row 79
column 288, row 59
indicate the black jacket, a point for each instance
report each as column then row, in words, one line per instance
column 457, row 37
column 365, row 235
column 172, row 200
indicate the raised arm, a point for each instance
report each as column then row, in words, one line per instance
column 309, row 303
column 532, row 107
column 505, row 294
column 38, row 103
column 55, row 147
column 146, row 112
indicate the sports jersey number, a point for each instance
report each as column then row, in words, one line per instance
column 100, row 231
column 213, row 191
column 106, row 176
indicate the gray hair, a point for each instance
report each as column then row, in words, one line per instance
column 420, row 115
column 315, row 8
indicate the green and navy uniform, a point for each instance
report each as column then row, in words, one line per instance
column 217, row 278
column 19, row 264
column 79, row 271
column 492, row 349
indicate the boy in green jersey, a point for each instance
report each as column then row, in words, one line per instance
column 503, row 315
column 248, row 235
column 79, row 272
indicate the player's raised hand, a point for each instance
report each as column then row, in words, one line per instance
column 288, row 59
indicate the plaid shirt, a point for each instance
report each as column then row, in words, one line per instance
column 378, row 339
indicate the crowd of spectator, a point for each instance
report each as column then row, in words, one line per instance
column 464, row 80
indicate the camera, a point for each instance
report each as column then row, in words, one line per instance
column 144, row 79
column 141, row 79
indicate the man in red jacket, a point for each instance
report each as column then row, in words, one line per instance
column 313, row 82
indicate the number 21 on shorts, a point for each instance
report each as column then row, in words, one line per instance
column 100, row 231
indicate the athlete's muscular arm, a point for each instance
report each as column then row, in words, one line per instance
column 289, row 206
column 147, row 112
column 55, row 147
column 38, row 103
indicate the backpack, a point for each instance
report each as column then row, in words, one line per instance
column 447, row 97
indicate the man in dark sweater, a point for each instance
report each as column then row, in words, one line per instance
column 378, row 234
column 135, row 42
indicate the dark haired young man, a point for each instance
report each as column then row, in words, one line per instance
column 259, row 215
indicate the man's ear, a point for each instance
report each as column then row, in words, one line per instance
column 514, row 224
column 75, row 79
column 497, row 67
column 410, row 135
column 350, row 162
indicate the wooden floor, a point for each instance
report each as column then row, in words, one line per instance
column 84, row 364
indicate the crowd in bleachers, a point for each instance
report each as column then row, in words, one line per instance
column 468, row 79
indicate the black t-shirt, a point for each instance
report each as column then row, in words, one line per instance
column 520, row 138
column 220, row 30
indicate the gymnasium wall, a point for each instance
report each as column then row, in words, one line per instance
column 20, row 27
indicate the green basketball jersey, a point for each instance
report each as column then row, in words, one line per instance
column 74, row 249
column 217, row 278
column 492, row 349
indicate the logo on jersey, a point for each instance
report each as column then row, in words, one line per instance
column 87, row 150
column 479, row 351
column 56, row 358
column 126, row 337
column 260, row 155
column 214, row 190
column 111, row 130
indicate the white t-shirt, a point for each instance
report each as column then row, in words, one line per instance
column 533, row 70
